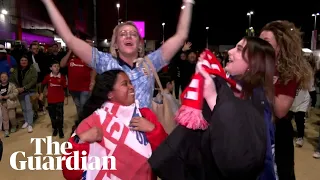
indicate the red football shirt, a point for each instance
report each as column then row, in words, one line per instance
column 56, row 85
column 79, row 75
column 288, row 89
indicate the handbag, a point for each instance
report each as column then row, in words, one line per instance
column 160, row 104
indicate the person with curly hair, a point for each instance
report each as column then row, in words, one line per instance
column 292, row 74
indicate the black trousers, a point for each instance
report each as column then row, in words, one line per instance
column 177, row 86
column 299, row 119
column 284, row 149
column 56, row 115
column 313, row 95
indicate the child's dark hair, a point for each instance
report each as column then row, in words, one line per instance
column 54, row 62
column 104, row 84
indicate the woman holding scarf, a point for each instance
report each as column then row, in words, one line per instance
column 237, row 142
column 114, row 123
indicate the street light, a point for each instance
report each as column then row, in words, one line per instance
column 207, row 28
column 4, row 12
column 118, row 7
column 250, row 14
column 315, row 20
column 163, row 24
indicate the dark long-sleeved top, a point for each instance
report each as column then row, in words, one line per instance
column 232, row 148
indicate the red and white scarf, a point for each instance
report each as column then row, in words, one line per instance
column 130, row 148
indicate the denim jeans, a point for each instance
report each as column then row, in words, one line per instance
column 79, row 99
column 26, row 107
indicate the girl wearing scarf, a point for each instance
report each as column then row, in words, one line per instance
column 114, row 125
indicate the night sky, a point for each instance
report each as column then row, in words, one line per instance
column 227, row 20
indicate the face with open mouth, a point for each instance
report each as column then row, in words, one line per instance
column 128, row 40
column 237, row 65
column 123, row 91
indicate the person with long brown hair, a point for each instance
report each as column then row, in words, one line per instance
column 125, row 49
column 238, row 142
column 292, row 73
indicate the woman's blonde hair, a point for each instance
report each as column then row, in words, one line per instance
column 291, row 63
column 113, row 48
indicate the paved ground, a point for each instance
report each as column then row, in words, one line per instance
column 307, row 168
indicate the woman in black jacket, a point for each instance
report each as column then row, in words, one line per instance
column 234, row 146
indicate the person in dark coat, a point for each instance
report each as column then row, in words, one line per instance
column 236, row 144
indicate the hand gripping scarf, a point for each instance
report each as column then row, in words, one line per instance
column 190, row 112
column 130, row 148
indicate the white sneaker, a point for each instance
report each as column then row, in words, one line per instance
column 25, row 125
column 316, row 155
column 30, row 130
column 299, row 142
column 6, row 133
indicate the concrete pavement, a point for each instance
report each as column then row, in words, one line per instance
column 307, row 168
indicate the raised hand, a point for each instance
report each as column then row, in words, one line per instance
column 209, row 89
column 187, row 46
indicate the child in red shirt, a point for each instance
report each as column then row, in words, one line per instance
column 56, row 84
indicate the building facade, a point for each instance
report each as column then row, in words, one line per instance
column 28, row 20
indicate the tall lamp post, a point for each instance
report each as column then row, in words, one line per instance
column 207, row 28
column 315, row 20
column 163, row 24
column 249, row 14
column 118, row 7
column 314, row 32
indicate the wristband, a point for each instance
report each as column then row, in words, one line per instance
column 189, row 1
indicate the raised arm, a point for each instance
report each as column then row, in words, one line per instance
column 78, row 46
column 174, row 44
column 65, row 59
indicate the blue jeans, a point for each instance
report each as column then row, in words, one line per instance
column 26, row 107
column 79, row 99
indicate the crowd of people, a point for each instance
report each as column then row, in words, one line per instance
column 114, row 92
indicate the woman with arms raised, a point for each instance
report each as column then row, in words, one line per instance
column 126, row 46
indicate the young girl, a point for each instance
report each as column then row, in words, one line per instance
column 114, row 125
column 8, row 103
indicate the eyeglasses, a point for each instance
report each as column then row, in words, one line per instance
column 124, row 34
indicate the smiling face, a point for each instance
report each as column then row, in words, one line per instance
column 237, row 65
column 127, row 40
column 123, row 91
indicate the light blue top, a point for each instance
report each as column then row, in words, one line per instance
column 143, row 84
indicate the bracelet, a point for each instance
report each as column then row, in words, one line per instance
column 189, row 1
